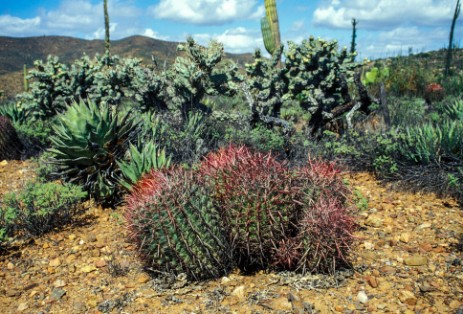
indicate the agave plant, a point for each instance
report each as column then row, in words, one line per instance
column 141, row 161
column 88, row 142
column 173, row 221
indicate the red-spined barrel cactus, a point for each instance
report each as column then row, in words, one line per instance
column 253, row 193
column 10, row 145
column 326, row 223
column 172, row 219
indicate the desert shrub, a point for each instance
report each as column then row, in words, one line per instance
column 184, row 140
column 433, row 143
column 10, row 145
column 407, row 111
column 88, row 141
column 40, row 207
column 260, row 138
column 172, row 219
column 409, row 77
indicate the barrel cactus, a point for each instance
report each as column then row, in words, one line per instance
column 88, row 142
column 10, row 145
column 253, row 192
column 326, row 222
column 173, row 221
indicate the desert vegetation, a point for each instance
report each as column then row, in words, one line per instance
column 220, row 167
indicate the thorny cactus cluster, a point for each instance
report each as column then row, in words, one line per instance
column 244, row 209
column 10, row 145
column 172, row 218
column 318, row 77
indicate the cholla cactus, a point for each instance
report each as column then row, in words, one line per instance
column 196, row 74
column 318, row 74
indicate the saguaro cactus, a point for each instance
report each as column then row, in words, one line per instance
column 270, row 27
column 106, row 24
column 448, row 59
column 25, row 81
column 353, row 44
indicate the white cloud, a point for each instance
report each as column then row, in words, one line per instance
column 383, row 14
column 11, row 25
column 399, row 40
column 153, row 34
column 207, row 12
column 100, row 32
column 237, row 40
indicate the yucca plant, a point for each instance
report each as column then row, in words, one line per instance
column 141, row 161
column 173, row 221
column 88, row 142
column 10, row 145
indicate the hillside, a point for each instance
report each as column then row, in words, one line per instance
column 15, row 52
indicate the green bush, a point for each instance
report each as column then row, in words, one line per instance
column 39, row 207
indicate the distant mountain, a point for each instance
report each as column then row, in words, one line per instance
column 15, row 52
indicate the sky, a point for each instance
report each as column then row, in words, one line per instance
column 385, row 27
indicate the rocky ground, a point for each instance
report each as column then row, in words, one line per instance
column 407, row 261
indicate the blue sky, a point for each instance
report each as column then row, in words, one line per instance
column 386, row 27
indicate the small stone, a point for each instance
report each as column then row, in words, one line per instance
column 339, row 308
column 368, row 245
column 57, row 294
column 374, row 221
column 72, row 237
column 91, row 237
column 4, row 163
column 143, row 278
column 239, row 292
column 100, row 263
column 455, row 304
column 79, row 307
column 22, row 307
column 88, row 269
column 10, row 266
column 46, row 245
column 387, row 270
column 362, row 297
column 225, row 280
column 426, row 247
column 372, row 281
column 71, row 258
column 55, row 262
column 416, row 260
column 31, row 286
column 407, row 297
column 59, row 283
column 404, row 237
column 12, row 293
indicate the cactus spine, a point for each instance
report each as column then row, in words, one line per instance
column 270, row 27
column 448, row 59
